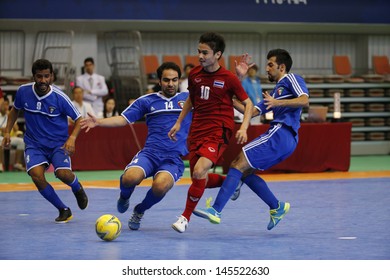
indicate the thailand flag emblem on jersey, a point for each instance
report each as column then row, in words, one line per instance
column 218, row 84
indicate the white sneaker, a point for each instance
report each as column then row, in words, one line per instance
column 181, row 224
column 19, row 167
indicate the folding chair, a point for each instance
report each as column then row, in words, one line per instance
column 232, row 64
column 151, row 64
column 194, row 59
column 173, row 58
column 342, row 67
column 380, row 64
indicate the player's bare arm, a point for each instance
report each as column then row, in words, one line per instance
column 241, row 108
column 92, row 122
column 70, row 144
column 176, row 127
column 270, row 102
column 241, row 134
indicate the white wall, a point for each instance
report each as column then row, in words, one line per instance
column 311, row 44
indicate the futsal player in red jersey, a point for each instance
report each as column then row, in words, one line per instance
column 212, row 89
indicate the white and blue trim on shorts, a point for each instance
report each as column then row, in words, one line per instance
column 263, row 139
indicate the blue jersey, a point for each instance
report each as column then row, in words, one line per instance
column 289, row 87
column 161, row 114
column 46, row 116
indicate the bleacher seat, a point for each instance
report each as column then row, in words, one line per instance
column 151, row 64
column 342, row 67
column 173, row 58
column 381, row 66
column 194, row 59
column 232, row 59
column 222, row 62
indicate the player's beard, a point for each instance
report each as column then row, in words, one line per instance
column 170, row 91
column 270, row 78
column 42, row 88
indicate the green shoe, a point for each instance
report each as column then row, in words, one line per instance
column 208, row 213
column 278, row 214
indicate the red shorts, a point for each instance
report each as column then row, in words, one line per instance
column 211, row 147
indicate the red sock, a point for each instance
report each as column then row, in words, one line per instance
column 215, row 181
column 195, row 192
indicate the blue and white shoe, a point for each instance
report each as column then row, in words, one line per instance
column 278, row 214
column 237, row 192
column 208, row 213
column 135, row 220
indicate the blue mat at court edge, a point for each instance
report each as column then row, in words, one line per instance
column 329, row 219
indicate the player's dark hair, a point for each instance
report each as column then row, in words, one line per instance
column 282, row 57
column 89, row 59
column 214, row 40
column 168, row 65
column 41, row 64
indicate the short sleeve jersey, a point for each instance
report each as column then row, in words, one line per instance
column 161, row 114
column 289, row 87
column 211, row 96
column 46, row 116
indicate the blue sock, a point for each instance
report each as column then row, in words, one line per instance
column 52, row 197
column 149, row 200
column 75, row 184
column 227, row 189
column 125, row 191
column 259, row 187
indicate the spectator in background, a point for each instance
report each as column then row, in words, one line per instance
column 16, row 138
column 84, row 107
column 1, row 97
column 94, row 86
column 184, row 82
column 252, row 86
column 109, row 109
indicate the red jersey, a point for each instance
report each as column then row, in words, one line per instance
column 211, row 96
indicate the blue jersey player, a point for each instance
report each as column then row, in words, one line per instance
column 286, row 101
column 160, row 157
column 46, row 110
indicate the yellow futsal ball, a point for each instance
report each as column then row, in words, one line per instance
column 108, row 227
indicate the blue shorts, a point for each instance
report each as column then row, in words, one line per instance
column 270, row 148
column 56, row 156
column 152, row 162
